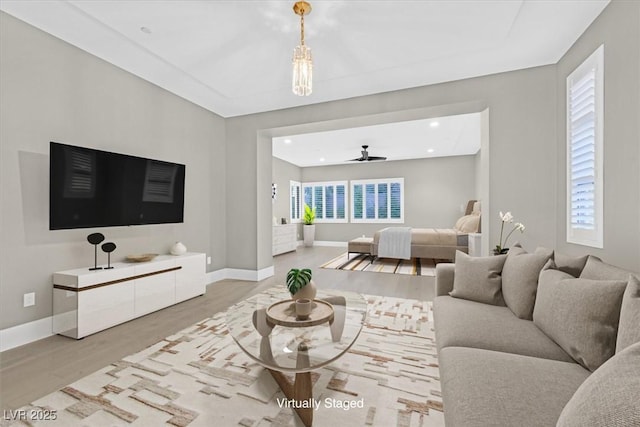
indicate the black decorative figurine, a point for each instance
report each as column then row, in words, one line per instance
column 108, row 248
column 95, row 239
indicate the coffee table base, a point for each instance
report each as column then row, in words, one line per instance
column 300, row 390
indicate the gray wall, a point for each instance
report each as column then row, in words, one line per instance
column 434, row 191
column 522, row 134
column 618, row 27
column 52, row 91
column 282, row 173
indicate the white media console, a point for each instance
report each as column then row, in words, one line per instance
column 85, row 302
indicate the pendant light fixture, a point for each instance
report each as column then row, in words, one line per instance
column 302, row 83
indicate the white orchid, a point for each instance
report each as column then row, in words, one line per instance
column 507, row 217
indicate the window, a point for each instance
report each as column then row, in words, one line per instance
column 295, row 205
column 585, row 114
column 329, row 199
column 377, row 200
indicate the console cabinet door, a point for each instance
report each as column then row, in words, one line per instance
column 104, row 307
column 155, row 291
column 190, row 279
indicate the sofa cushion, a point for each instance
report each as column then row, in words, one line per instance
column 596, row 269
column 488, row 388
column 465, row 323
column 478, row 278
column 520, row 279
column 629, row 326
column 570, row 264
column 581, row 315
column 610, row 396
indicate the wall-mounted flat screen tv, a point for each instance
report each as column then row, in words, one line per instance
column 92, row 188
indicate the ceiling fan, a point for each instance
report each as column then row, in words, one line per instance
column 366, row 157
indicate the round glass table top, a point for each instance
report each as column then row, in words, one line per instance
column 296, row 349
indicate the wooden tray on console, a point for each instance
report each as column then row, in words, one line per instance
column 283, row 313
column 141, row 257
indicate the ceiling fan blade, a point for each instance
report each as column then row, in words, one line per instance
column 372, row 158
column 359, row 159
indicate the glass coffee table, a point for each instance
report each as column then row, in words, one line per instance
column 296, row 349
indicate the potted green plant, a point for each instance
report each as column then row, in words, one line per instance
column 309, row 228
column 300, row 284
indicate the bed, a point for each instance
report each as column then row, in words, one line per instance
column 438, row 243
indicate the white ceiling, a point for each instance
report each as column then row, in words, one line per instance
column 436, row 137
column 234, row 57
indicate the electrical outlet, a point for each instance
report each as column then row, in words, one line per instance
column 208, row 260
column 29, row 299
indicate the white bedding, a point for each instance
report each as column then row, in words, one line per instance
column 395, row 242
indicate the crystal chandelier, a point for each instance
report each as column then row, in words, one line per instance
column 302, row 83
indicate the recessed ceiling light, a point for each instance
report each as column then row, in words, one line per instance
column 287, row 141
column 430, row 150
column 434, row 124
column 322, row 159
column 145, row 30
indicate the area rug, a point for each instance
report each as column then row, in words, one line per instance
column 200, row 377
column 364, row 262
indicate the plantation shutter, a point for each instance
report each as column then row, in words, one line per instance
column 383, row 196
column 583, row 172
column 584, row 152
column 396, row 200
column 370, row 201
column 329, row 202
column 358, row 202
column 340, row 201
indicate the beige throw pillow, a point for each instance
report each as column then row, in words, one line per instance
column 609, row 397
column 520, row 279
column 468, row 224
column 629, row 327
column 580, row 315
column 478, row 278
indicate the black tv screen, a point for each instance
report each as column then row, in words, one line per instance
column 93, row 188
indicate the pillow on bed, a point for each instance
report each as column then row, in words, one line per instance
column 467, row 224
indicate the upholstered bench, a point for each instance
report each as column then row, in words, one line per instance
column 361, row 245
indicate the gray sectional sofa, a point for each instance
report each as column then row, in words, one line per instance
column 538, row 340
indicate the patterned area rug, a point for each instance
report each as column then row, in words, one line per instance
column 200, row 377
column 364, row 262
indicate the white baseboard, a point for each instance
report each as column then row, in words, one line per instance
column 240, row 274
column 26, row 333
column 43, row 328
column 330, row 243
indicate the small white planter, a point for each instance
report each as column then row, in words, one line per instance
column 309, row 232
column 308, row 292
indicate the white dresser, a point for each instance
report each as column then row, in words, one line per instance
column 85, row 302
column 475, row 244
column 285, row 238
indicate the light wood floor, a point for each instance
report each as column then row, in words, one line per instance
column 39, row 368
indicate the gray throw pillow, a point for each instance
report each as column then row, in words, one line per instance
column 478, row 278
column 580, row 315
column 596, row 269
column 520, row 279
column 629, row 327
column 570, row 264
column 609, row 397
